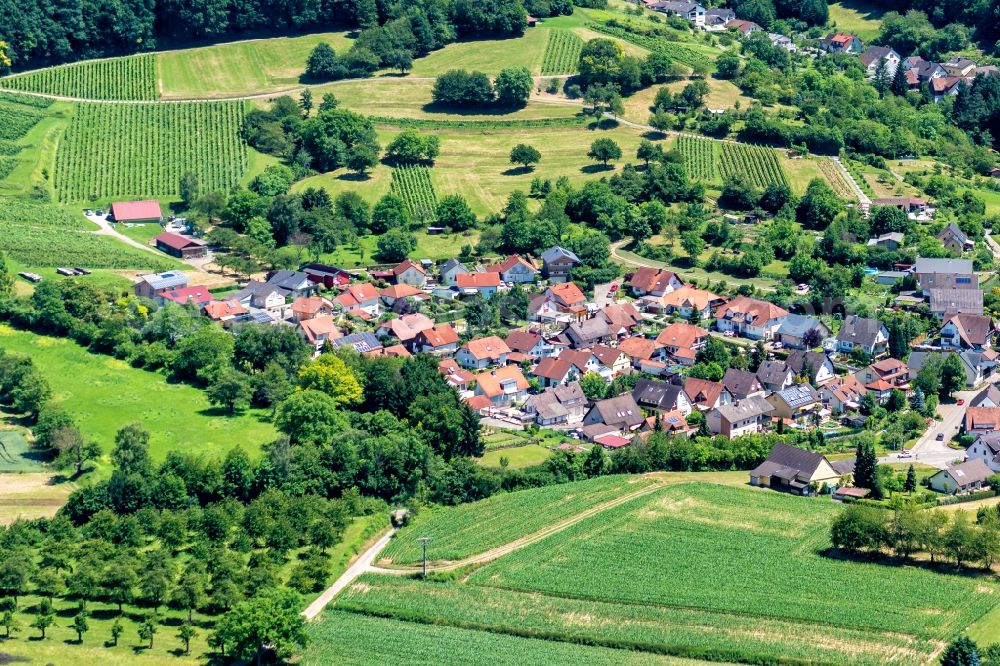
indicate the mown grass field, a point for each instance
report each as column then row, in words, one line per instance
column 15, row 454
column 103, row 394
column 862, row 18
column 472, row 528
column 694, row 569
column 475, row 163
column 347, row 638
column 240, row 68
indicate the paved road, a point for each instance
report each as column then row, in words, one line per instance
column 927, row 450
column 603, row 295
column 108, row 229
column 360, row 566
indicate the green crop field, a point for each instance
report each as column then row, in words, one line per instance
column 758, row 164
column 41, row 235
column 562, row 52
column 141, row 150
column 19, row 115
column 699, row 157
column 131, row 78
column 347, row 638
column 694, row 569
column 468, row 529
column 412, row 184
column 103, row 394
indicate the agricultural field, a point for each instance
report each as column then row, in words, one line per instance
column 42, row 235
column 349, row 638
column 246, row 67
column 562, row 52
column 468, row 529
column 20, row 113
column 141, row 150
column 689, row 54
column 699, row 157
column 486, row 55
column 412, row 184
column 30, row 495
column 104, row 393
column 691, row 570
column 475, row 163
column 129, row 78
column 836, row 179
column 758, row 164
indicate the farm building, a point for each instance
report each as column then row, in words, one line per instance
column 180, row 246
column 328, row 276
column 136, row 211
column 793, row 469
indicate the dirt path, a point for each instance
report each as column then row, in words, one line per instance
column 239, row 98
column 360, row 566
column 525, row 541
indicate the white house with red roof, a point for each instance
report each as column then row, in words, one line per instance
column 441, row 340
column 515, row 268
column 750, row 317
column 485, row 284
column 409, row 272
column 482, row 353
column 309, row 307
column 319, row 330
column 359, row 298
column 198, row 295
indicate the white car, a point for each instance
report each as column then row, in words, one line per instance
column 905, row 454
column 727, row 334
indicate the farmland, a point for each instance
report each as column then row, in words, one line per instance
column 131, row 78
column 468, row 529
column 142, row 149
column 693, row 569
column 20, row 114
column 759, row 165
column 104, row 394
column 347, row 638
column 39, row 235
column 699, row 157
column 412, row 184
column 562, row 52
column 686, row 54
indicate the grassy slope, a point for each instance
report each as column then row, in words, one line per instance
column 343, row 638
column 856, row 16
column 104, row 394
column 241, row 68
column 38, row 151
column 474, row 163
column 487, row 56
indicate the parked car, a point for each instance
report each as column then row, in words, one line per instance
column 905, row 454
column 727, row 334
column 940, row 437
column 613, row 289
column 960, row 402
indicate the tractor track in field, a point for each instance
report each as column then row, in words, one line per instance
column 365, row 562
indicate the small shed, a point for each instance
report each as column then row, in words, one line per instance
column 180, row 246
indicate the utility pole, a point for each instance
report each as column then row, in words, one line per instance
column 423, row 544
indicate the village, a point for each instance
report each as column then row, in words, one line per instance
column 647, row 353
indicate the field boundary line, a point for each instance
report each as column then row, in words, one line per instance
column 525, row 541
column 361, row 565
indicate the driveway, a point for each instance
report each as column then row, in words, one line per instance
column 603, row 295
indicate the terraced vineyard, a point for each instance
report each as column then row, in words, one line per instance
column 758, row 164
column 131, row 78
column 691, row 570
column 562, row 52
column 137, row 150
column 412, row 184
column 469, row 529
column 674, row 50
column 42, row 236
column 698, row 155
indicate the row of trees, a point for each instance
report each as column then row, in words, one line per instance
column 907, row 531
column 460, row 88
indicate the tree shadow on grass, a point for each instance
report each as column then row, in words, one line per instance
column 603, row 124
column 654, row 135
column 354, row 177
column 596, row 168
column 471, row 110
column 517, row 171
